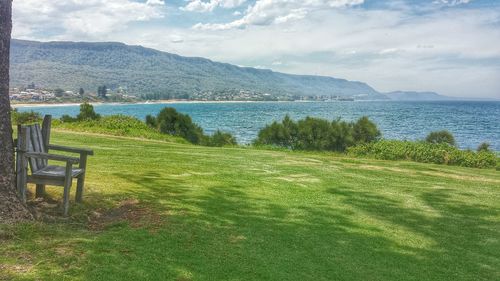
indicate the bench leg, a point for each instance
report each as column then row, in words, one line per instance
column 79, row 188
column 40, row 190
column 23, row 187
column 67, row 186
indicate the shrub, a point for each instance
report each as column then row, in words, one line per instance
column 317, row 134
column 440, row 137
column 87, row 112
column 171, row 122
column 151, row 121
column 68, row 119
column 282, row 134
column 28, row 117
column 365, row 131
column 483, row 147
column 441, row 153
column 221, row 139
column 314, row 134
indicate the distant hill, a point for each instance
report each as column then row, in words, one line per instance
column 71, row 65
column 416, row 96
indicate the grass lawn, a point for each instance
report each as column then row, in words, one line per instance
column 168, row 211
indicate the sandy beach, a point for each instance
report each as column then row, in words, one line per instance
column 20, row 105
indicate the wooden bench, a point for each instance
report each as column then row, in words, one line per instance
column 32, row 149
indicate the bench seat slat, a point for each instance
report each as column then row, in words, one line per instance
column 56, row 172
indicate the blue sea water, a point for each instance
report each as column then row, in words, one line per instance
column 471, row 122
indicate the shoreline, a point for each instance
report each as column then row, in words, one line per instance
column 21, row 105
column 35, row 105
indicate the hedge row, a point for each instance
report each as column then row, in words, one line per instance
column 424, row 152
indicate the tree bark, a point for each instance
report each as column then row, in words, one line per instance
column 11, row 208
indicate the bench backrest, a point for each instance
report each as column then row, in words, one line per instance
column 33, row 138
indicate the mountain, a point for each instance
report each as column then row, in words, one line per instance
column 71, row 65
column 416, row 96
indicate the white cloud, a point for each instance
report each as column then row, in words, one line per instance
column 389, row 51
column 155, row 2
column 452, row 2
column 208, row 6
column 84, row 19
column 267, row 12
column 176, row 38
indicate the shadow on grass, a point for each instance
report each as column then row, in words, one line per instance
column 225, row 233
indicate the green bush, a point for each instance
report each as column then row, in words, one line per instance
column 220, row 139
column 483, row 147
column 282, row 134
column 28, row 117
column 87, row 112
column 440, row 137
column 317, row 134
column 365, row 131
column 169, row 121
column 68, row 119
column 440, row 153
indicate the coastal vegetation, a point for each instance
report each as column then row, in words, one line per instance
column 441, row 137
column 27, row 117
column 87, row 113
column 421, row 151
column 167, row 125
column 318, row 134
column 169, row 121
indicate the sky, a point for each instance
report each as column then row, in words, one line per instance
column 448, row 46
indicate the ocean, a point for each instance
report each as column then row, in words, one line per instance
column 471, row 122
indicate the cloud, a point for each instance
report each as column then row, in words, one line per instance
column 155, row 2
column 208, row 6
column 78, row 18
column 267, row 12
column 176, row 39
column 452, row 2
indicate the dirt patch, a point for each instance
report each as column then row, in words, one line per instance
column 23, row 265
column 129, row 211
column 460, row 177
column 15, row 268
column 382, row 168
column 300, row 179
column 236, row 238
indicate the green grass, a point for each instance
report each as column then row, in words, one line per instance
column 247, row 214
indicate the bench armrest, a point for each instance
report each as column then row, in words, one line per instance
column 54, row 157
column 71, row 149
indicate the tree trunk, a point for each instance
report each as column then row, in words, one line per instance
column 11, row 208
